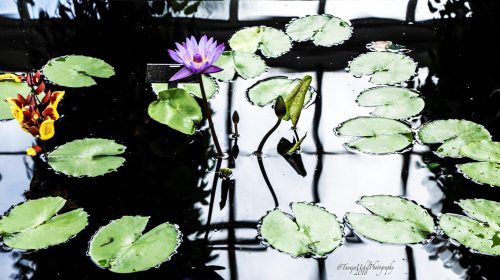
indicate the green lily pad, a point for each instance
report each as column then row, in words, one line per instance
column 272, row 42
column 120, row 246
column 392, row 102
column 376, row 135
column 396, row 220
column 324, row 30
column 76, row 70
column 247, row 65
column 453, row 134
column 266, row 91
column 176, row 108
column 87, row 157
column 481, row 232
column 10, row 89
column 32, row 224
column 488, row 171
column 315, row 231
column 387, row 68
column 209, row 85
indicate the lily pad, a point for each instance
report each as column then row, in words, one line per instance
column 453, row 134
column 266, row 91
column 32, row 224
column 315, row 231
column 10, row 89
column 396, row 220
column 177, row 109
column 387, row 68
column 376, row 135
column 209, row 85
column 324, row 30
column 480, row 231
column 87, row 157
column 247, row 65
column 272, row 42
column 120, row 246
column 76, row 70
column 392, row 102
column 488, row 171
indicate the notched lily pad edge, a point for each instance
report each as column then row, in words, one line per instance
column 179, row 241
column 430, row 236
column 264, row 242
column 457, row 166
column 259, row 49
column 237, row 74
column 312, row 37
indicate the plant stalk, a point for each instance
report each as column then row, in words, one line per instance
column 209, row 117
column 259, row 150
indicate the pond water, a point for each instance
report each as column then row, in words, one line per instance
column 168, row 175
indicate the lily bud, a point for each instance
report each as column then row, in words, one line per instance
column 33, row 150
column 236, row 117
column 40, row 88
column 280, row 107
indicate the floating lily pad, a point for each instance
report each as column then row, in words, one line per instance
column 177, row 109
column 453, row 134
column 376, row 135
column 209, row 85
column 76, row 70
column 387, row 68
column 481, row 232
column 392, row 102
column 487, row 172
column 120, row 246
column 247, row 65
column 32, row 224
column 272, row 42
column 87, row 157
column 10, row 89
column 266, row 91
column 324, row 30
column 396, row 220
column 315, row 231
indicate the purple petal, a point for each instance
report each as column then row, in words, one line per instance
column 212, row 69
column 175, row 56
column 194, row 67
column 183, row 73
column 202, row 45
column 190, row 47
column 194, row 42
column 182, row 51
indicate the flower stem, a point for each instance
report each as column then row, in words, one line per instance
column 259, row 150
column 209, row 117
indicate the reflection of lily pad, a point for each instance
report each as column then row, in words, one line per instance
column 453, row 134
column 392, row 102
column 10, row 89
column 387, row 68
column 294, row 159
column 315, row 231
column 76, row 70
column 177, row 109
column 120, row 246
column 488, row 171
column 482, row 232
column 396, row 220
column 376, row 135
column 324, row 30
column 87, row 157
column 32, row 224
column 246, row 65
column 272, row 42
column 266, row 91
column 209, row 85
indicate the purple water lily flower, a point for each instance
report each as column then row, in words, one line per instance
column 197, row 58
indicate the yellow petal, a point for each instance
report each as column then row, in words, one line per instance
column 47, row 129
column 14, row 102
column 54, row 101
column 31, row 152
column 11, row 76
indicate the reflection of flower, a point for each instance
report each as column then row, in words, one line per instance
column 197, row 58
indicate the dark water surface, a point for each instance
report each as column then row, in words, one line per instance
column 458, row 73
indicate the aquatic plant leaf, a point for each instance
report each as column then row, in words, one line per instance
column 76, row 70
column 266, row 91
column 177, row 109
column 296, row 146
column 314, row 231
column 376, row 135
column 487, row 172
column 326, row 31
column 392, row 102
column 294, row 159
column 453, row 134
column 120, row 247
column 387, row 68
column 396, row 220
column 482, row 232
column 87, row 157
column 10, row 89
column 247, row 65
column 272, row 42
column 295, row 101
column 32, row 224
column 210, row 86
